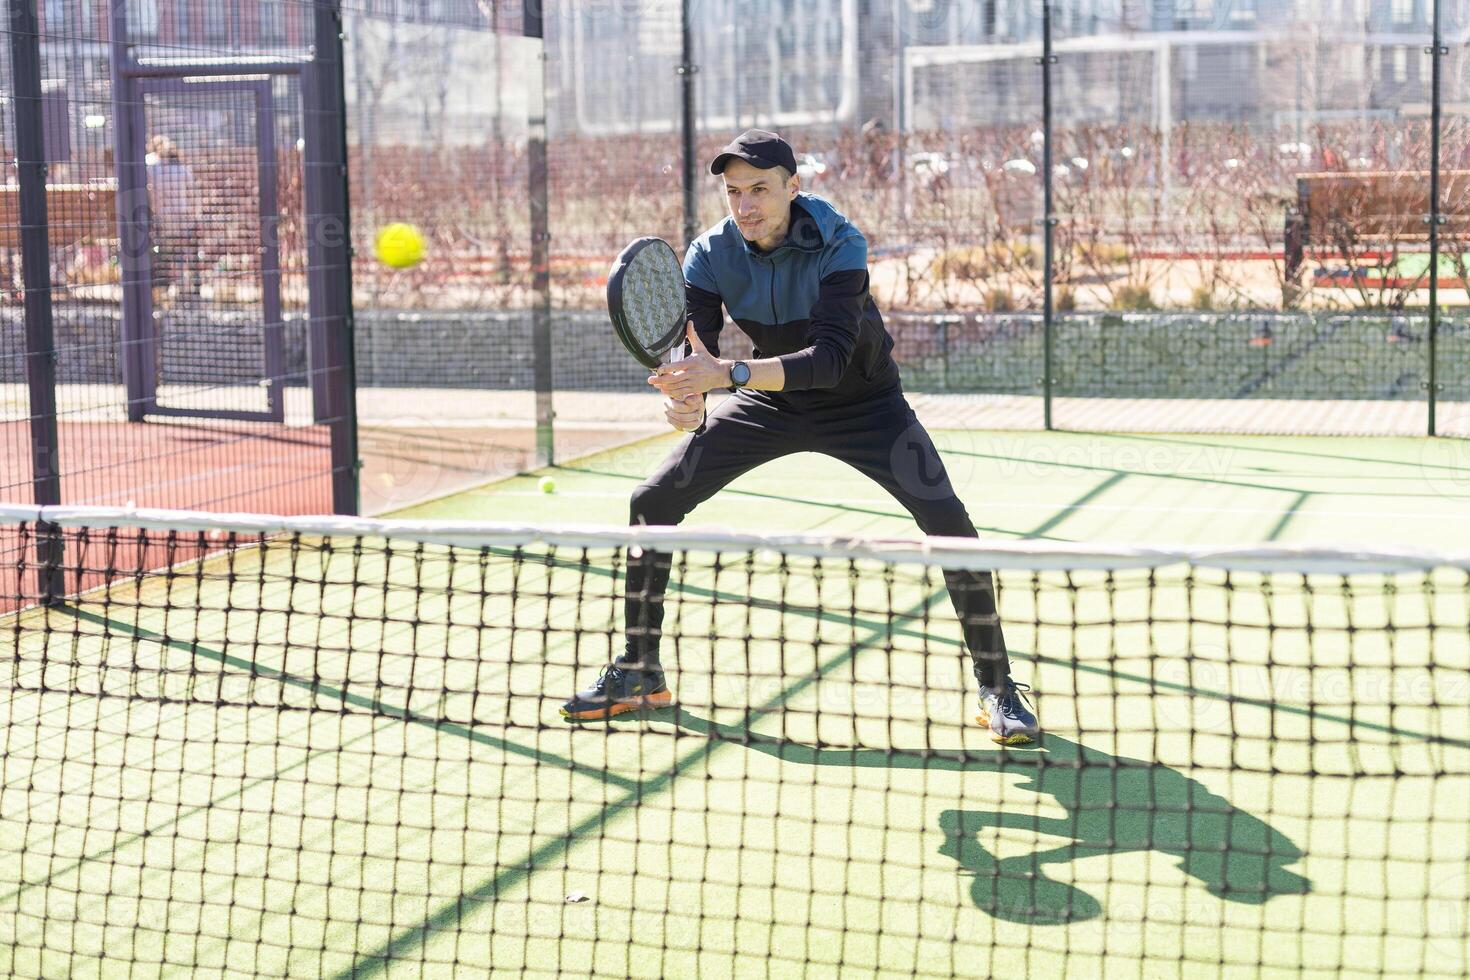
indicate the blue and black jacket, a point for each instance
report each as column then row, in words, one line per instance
column 805, row 302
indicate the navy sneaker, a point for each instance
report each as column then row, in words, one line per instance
column 1006, row 713
column 620, row 687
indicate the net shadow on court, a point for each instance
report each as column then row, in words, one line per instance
column 337, row 751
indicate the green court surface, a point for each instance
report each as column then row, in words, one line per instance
column 1260, row 775
column 1417, row 264
column 1127, row 489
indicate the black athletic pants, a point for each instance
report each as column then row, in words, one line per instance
column 879, row 437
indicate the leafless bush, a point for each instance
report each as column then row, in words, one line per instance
column 951, row 216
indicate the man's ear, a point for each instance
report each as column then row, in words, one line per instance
column 793, row 186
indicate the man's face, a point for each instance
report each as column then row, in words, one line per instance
column 760, row 201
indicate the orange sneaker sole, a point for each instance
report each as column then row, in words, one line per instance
column 646, row 702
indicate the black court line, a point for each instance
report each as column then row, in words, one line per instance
column 1288, row 452
column 1068, row 510
column 1062, row 464
column 1303, row 497
column 1307, row 711
column 930, row 640
column 824, row 505
column 251, row 667
column 195, row 648
column 375, row 705
column 451, row 913
column 490, row 889
column 124, row 840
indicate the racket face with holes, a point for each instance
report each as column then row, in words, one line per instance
column 645, row 298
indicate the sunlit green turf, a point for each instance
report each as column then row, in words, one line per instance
column 1073, row 486
column 1233, row 782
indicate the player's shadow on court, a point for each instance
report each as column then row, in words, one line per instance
column 1113, row 805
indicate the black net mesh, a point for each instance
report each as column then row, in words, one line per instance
column 329, row 754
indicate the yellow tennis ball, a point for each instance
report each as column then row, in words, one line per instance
column 547, row 485
column 399, row 245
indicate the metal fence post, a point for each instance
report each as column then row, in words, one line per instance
column 30, row 158
column 1437, row 52
column 137, row 347
column 531, row 13
column 1048, row 220
column 330, row 245
column 687, row 70
column 900, row 121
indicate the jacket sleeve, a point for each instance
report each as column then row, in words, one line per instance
column 836, row 319
column 702, row 297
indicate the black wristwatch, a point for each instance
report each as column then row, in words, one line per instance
column 739, row 374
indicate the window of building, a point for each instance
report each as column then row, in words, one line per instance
column 272, row 21
column 143, row 22
column 1403, row 11
column 216, row 21
column 1189, row 63
column 786, row 40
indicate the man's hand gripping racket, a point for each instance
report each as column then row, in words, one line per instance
column 645, row 299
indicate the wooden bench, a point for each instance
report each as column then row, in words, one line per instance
column 1353, row 212
column 74, row 212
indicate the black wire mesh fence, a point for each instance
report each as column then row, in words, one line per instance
column 1238, row 203
column 160, row 344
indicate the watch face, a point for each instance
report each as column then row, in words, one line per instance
column 740, row 373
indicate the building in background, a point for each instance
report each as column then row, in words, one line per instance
column 614, row 65
column 914, row 64
column 927, row 64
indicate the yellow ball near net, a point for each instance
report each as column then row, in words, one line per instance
column 399, row 245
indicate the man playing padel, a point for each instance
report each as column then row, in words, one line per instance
column 793, row 274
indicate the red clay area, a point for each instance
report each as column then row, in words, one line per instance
column 217, row 466
column 93, row 557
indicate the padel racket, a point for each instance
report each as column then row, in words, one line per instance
column 645, row 298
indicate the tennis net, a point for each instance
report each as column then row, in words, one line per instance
column 292, row 747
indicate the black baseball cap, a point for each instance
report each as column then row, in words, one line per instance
column 759, row 148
